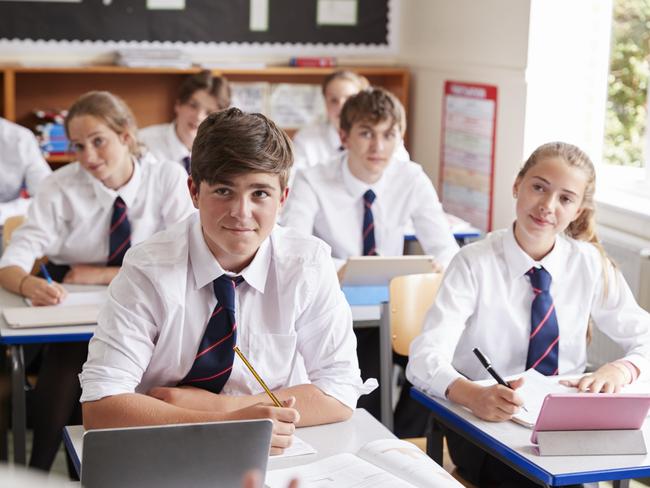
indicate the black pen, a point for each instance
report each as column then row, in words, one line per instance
column 488, row 366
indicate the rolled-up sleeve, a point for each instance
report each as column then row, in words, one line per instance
column 431, row 353
column 121, row 349
column 326, row 340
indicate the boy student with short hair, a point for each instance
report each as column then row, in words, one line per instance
column 163, row 348
column 318, row 143
column 198, row 96
column 361, row 203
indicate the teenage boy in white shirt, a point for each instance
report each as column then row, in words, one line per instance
column 330, row 202
column 292, row 319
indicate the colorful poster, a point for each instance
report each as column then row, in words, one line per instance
column 467, row 152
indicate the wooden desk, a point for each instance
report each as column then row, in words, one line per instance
column 510, row 443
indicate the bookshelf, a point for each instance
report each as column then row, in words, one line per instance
column 150, row 92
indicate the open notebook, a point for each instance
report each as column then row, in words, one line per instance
column 79, row 308
column 385, row 463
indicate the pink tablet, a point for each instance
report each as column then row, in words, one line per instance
column 591, row 411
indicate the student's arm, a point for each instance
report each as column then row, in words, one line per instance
column 431, row 226
column 302, row 206
column 17, row 280
column 132, row 409
column 29, row 242
column 617, row 314
column 88, row 274
column 431, row 353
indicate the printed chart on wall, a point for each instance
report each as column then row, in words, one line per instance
column 467, row 151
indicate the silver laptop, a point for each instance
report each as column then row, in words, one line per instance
column 211, row 455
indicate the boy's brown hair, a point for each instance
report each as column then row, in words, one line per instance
column 231, row 143
column 373, row 105
column 217, row 86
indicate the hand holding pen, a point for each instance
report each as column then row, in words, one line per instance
column 488, row 366
column 41, row 291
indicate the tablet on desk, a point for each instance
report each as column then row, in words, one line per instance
column 591, row 411
column 379, row 270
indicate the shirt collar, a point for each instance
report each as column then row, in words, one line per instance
column 177, row 148
column 206, row 268
column 355, row 187
column 518, row 262
column 128, row 192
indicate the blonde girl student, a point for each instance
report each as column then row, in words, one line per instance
column 198, row 96
column 525, row 296
column 319, row 143
column 84, row 218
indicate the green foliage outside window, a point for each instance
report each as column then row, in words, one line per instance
column 625, row 123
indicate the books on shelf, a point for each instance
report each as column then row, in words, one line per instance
column 313, row 62
column 50, row 132
column 152, row 58
column 389, row 463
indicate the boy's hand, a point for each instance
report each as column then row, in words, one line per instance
column 284, row 421
column 86, row 274
column 40, row 292
column 252, row 479
column 606, row 379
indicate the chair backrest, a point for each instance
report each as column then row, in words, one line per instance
column 409, row 299
column 10, row 225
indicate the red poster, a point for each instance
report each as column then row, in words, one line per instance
column 467, row 152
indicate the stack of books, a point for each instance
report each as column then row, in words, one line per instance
column 152, row 58
column 50, row 132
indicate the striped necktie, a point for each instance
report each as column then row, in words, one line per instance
column 544, row 343
column 215, row 356
column 119, row 236
column 187, row 164
column 368, row 224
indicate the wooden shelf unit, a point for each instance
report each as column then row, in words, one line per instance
column 150, row 92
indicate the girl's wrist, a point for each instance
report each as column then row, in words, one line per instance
column 21, row 284
column 624, row 371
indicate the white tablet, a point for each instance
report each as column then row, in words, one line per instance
column 379, row 270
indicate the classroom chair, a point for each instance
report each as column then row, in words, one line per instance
column 10, row 225
column 409, row 299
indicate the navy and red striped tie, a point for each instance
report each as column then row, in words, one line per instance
column 544, row 342
column 187, row 164
column 119, row 236
column 215, row 356
column 368, row 224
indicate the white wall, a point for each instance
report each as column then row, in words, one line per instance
column 466, row 40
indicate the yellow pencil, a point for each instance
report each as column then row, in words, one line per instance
column 257, row 377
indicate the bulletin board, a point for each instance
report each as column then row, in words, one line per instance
column 198, row 21
column 467, row 151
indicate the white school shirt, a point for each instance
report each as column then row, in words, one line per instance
column 70, row 215
column 319, row 143
column 327, row 201
column 163, row 142
column 293, row 321
column 485, row 301
column 21, row 162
